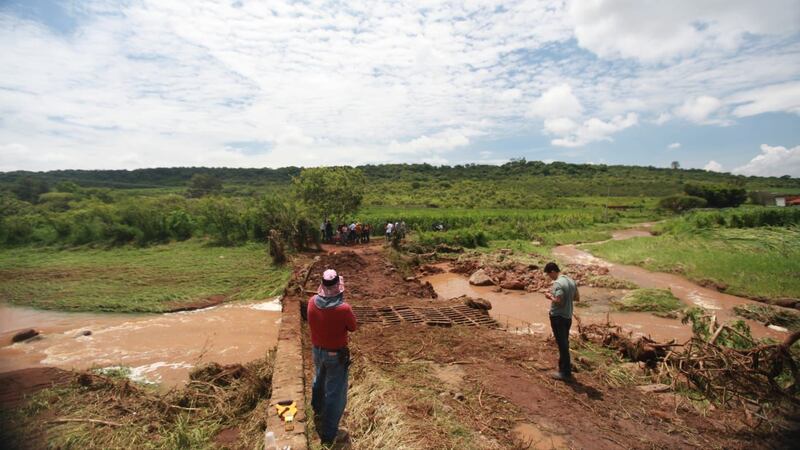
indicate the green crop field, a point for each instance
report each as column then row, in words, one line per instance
column 131, row 279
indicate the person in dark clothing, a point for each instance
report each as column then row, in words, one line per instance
column 328, row 231
column 562, row 296
column 330, row 320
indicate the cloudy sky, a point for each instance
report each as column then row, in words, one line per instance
column 712, row 84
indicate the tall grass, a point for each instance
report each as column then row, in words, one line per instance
column 735, row 218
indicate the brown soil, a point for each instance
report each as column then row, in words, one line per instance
column 495, row 385
column 207, row 302
column 17, row 385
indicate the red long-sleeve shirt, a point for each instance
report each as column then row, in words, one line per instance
column 329, row 327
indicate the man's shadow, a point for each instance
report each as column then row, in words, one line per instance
column 581, row 388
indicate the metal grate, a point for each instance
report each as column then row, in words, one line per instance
column 444, row 316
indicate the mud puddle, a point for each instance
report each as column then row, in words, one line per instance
column 157, row 348
column 528, row 312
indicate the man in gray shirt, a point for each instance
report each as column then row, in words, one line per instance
column 563, row 294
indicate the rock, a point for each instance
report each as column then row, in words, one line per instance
column 480, row 278
column 654, row 388
column 514, row 285
column 459, row 396
column 778, row 328
column 24, row 335
column 409, row 279
column 497, row 289
column 478, row 303
column 84, row 333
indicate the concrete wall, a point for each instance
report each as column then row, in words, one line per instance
column 287, row 378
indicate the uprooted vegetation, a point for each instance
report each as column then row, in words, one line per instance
column 770, row 315
column 223, row 404
column 722, row 364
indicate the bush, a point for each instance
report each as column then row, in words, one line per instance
column 180, row 225
column 123, row 234
column 681, row 203
column 17, row 229
column 717, row 196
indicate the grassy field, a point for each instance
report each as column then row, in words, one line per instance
column 130, row 279
column 758, row 262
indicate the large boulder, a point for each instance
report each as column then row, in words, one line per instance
column 478, row 303
column 480, row 278
column 24, row 335
column 513, row 285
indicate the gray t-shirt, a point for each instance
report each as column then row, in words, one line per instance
column 565, row 288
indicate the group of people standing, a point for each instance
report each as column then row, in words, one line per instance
column 355, row 233
column 395, row 228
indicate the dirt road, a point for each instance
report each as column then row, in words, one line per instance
column 418, row 386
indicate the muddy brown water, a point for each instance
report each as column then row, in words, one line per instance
column 158, row 348
column 525, row 312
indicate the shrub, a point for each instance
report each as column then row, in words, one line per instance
column 180, row 224
column 17, row 229
column 122, row 234
column 681, row 203
column 717, row 196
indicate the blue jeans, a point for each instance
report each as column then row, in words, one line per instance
column 561, row 326
column 329, row 391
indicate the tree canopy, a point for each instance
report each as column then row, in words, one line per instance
column 334, row 192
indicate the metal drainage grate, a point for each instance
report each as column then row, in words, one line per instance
column 444, row 316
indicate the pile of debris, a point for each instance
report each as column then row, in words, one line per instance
column 527, row 277
column 725, row 364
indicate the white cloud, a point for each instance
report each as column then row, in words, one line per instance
column 558, row 101
column 437, row 143
column 699, row 109
column 171, row 83
column 662, row 118
column 594, row 129
column 674, row 146
column 713, row 166
column 784, row 97
column 654, row 30
column 773, row 161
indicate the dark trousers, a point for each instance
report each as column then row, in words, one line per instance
column 329, row 390
column 561, row 328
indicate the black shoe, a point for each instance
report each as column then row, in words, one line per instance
column 561, row 376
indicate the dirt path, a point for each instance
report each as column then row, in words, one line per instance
column 418, row 386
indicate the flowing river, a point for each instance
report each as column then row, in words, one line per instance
column 157, row 348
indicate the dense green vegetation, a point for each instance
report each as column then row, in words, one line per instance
column 754, row 252
column 130, row 279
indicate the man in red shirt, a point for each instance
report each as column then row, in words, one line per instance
column 330, row 319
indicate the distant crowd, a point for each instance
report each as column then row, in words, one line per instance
column 357, row 232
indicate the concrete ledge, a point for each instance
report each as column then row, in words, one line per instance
column 287, row 379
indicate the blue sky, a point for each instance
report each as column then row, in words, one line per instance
column 152, row 83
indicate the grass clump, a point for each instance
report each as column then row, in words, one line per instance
column 649, row 300
column 770, row 314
